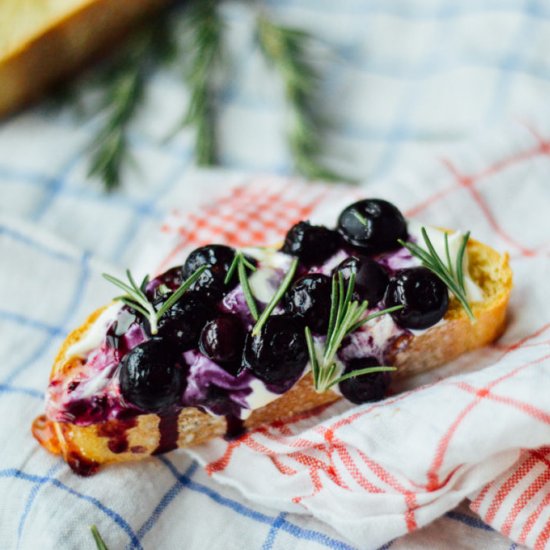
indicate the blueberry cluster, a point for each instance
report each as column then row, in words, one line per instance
column 153, row 374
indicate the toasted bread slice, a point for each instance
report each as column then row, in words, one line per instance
column 85, row 448
column 43, row 40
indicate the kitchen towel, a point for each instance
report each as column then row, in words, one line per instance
column 455, row 68
column 378, row 471
column 355, row 477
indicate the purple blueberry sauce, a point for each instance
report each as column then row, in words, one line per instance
column 92, row 395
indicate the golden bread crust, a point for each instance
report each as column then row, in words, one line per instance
column 57, row 45
column 434, row 347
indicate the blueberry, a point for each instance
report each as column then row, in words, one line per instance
column 222, row 340
column 278, row 354
column 218, row 258
column 365, row 387
column 171, row 280
column 312, row 244
column 371, row 280
column 152, row 376
column 309, row 299
column 424, row 296
column 373, row 225
column 183, row 322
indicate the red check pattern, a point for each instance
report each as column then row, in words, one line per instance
column 385, row 469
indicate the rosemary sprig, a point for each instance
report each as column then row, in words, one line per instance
column 124, row 83
column 360, row 217
column 285, row 48
column 240, row 263
column 136, row 299
column 276, row 298
column 204, row 29
column 346, row 316
column 110, row 147
column 100, row 543
column 452, row 276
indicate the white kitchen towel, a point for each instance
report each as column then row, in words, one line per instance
column 376, row 472
column 354, row 477
column 455, row 68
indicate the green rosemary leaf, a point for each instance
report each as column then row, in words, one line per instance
column 372, row 316
column 134, row 305
column 350, row 289
column 276, row 298
column 248, row 264
column 460, row 260
column 100, row 543
column 346, row 316
column 436, row 260
column 312, row 356
column 239, row 258
column 123, row 83
column 431, row 260
column 144, row 283
column 340, row 332
column 122, row 285
column 448, row 255
column 456, row 288
column 333, row 306
column 134, row 285
column 178, row 293
column 204, row 30
column 136, row 299
column 232, row 269
column 340, row 310
column 360, row 372
column 286, row 49
column 360, row 217
column 416, row 250
column 247, row 291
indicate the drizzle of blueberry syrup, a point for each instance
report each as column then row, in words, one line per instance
column 205, row 355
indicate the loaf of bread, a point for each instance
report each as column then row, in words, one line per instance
column 42, row 41
column 87, row 447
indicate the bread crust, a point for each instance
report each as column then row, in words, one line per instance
column 434, row 347
column 32, row 63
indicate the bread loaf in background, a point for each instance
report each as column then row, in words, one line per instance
column 42, row 41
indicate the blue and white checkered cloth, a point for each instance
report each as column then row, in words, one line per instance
column 416, row 75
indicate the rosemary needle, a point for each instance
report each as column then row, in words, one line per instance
column 452, row 277
column 136, row 298
column 286, row 49
column 204, row 47
column 346, row 316
column 100, row 543
column 276, row 298
column 124, row 83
